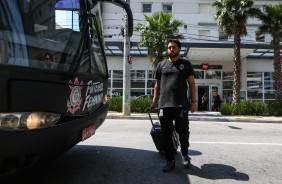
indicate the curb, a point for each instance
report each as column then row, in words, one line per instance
column 197, row 117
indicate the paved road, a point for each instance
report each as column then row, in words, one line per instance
column 202, row 116
column 122, row 152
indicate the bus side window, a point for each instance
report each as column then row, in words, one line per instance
column 71, row 47
column 84, row 66
column 98, row 62
column 3, row 49
column 2, row 46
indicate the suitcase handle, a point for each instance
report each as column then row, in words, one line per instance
column 148, row 111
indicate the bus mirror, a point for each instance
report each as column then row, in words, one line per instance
column 126, row 7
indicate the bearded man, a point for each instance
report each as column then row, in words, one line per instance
column 171, row 96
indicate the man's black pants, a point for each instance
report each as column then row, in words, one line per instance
column 180, row 117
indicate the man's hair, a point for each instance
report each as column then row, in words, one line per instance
column 174, row 41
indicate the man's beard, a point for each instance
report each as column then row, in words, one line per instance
column 172, row 55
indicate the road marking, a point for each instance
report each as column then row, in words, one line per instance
column 242, row 143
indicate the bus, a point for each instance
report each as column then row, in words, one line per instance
column 53, row 78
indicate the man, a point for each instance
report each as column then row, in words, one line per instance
column 171, row 96
column 217, row 102
column 204, row 102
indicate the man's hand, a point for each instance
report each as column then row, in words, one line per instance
column 153, row 106
column 193, row 107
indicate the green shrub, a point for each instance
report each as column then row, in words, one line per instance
column 137, row 105
column 115, row 104
column 248, row 107
column 274, row 108
column 226, row 109
column 252, row 108
column 140, row 104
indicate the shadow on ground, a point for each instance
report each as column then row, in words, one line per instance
column 217, row 171
column 104, row 165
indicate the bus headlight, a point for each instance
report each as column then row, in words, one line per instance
column 28, row 120
column 9, row 120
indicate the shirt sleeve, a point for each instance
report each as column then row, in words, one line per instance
column 158, row 71
column 190, row 69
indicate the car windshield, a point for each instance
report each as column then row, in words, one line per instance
column 41, row 34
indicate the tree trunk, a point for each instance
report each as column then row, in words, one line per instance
column 277, row 68
column 237, row 66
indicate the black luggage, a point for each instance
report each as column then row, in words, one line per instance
column 158, row 138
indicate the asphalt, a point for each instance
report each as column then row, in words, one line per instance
column 201, row 116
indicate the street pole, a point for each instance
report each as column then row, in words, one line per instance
column 126, row 105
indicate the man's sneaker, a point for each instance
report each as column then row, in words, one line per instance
column 186, row 160
column 169, row 166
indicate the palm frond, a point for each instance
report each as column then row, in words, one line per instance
column 155, row 32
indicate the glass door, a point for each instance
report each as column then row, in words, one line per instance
column 213, row 92
column 202, row 90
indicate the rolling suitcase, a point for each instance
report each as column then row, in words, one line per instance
column 158, row 138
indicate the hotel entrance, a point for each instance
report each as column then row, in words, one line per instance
column 209, row 91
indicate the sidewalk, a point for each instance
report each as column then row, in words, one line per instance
column 201, row 116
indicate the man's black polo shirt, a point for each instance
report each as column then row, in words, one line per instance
column 173, row 82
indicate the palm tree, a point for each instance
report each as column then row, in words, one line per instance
column 232, row 16
column 272, row 23
column 154, row 34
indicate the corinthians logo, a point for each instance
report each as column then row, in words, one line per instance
column 75, row 99
column 181, row 67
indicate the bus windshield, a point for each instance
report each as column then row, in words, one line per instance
column 46, row 34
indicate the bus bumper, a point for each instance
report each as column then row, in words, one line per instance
column 21, row 150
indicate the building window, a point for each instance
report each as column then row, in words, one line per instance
column 213, row 74
column 228, row 76
column 151, row 74
column 222, row 36
column 137, row 75
column 142, row 83
column 204, row 34
column 254, row 85
column 260, row 86
column 115, row 87
column 269, row 93
column 146, row 8
column 204, row 8
column 117, row 74
column 227, row 85
column 167, row 8
column 199, row 74
column 150, row 82
column 109, row 79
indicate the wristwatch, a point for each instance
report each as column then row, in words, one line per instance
column 193, row 101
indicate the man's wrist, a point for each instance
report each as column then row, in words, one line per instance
column 154, row 102
column 193, row 101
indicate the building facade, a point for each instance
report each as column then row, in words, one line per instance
column 209, row 50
